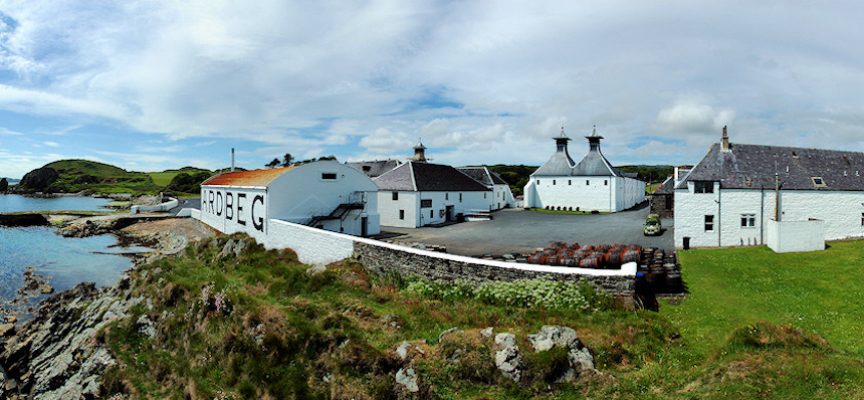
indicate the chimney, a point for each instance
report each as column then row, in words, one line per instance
column 594, row 140
column 724, row 142
column 419, row 152
column 232, row 159
column 680, row 172
column 561, row 141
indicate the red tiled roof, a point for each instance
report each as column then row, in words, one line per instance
column 257, row 178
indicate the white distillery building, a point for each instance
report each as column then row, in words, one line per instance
column 324, row 194
column 418, row 193
column 592, row 184
column 791, row 199
column 502, row 196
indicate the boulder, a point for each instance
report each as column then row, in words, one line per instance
column 507, row 358
column 407, row 378
column 552, row 336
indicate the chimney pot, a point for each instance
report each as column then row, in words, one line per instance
column 724, row 142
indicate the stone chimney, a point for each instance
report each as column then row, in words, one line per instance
column 724, row 142
column 419, row 152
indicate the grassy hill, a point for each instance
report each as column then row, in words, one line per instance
column 255, row 324
column 84, row 175
column 79, row 175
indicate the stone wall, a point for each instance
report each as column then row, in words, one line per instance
column 445, row 267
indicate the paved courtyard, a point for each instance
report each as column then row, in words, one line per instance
column 520, row 231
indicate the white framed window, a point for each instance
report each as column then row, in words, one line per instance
column 605, row 182
column 709, row 223
column 587, row 182
column 328, row 176
column 401, row 214
column 818, row 182
column 553, row 182
column 569, row 182
column 748, row 220
column 425, row 203
column 395, row 196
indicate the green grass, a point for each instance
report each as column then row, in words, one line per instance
column 162, row 179
column 81, row 175
column 755, row 325
column 815, row 291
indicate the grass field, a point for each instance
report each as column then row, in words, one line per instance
column 163, row 178
column 816, row 291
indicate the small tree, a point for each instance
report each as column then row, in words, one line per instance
column 273, row 164
column 4, row 185
column 287, row 159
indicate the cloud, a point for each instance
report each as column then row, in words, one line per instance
column 51, row 144
column 479, row 82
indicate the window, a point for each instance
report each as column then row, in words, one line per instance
column 748, row 220
column 395, row 196
column 328, row 176
column 709, row 223
column 431, row 213
column 366, row 168
column 862, row 219
column 460, row 197
column 704, row 187
column 425, row 203
column 818, row 182
column 569, row 182
column 538, row 182
column 587, row 182
column 446, row 196
column 669, row 202
column 401, row 214
column 553, row 182
column 605, row 182
column 484, row 195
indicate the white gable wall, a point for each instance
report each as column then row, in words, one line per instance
column 503, row 197
column 235, row 209
column 840, row 211
column 587, row 193
column 416, row 216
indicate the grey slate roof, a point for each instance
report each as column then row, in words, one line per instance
column 374, row 168
column 560, row 164
column 748, row 166
column 483, row 175
column 593, row 164
column 425, row 177
column 667, row 187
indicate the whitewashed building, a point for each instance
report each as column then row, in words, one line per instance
column 324, row 194
column 418, row 193
column 590, row 185
column 502, row 196
column 791, row 199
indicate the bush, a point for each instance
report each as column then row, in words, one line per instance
column 526, row 293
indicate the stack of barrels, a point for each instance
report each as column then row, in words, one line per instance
column 661, row 271
column 590, row 256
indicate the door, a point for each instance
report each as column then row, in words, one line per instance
column 450, row 216
column 364, row 226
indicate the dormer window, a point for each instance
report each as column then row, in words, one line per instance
column 703, row 187
column 818, row 181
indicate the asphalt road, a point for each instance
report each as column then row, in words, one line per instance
column 187, row 203
column 519, row 231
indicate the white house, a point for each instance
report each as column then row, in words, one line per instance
column 592, row 184
column 785, row 197
column 418, row 193
column 502, row 196
column 324, row 194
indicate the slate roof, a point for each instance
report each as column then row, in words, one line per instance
column 425, row 177
column 748, row 166
column 483, row 175
column 374, row 168
column 667, row 187
column 253, row 178
column 593, row 164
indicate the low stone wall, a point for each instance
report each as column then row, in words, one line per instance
column 321, row 247
column 446, row 267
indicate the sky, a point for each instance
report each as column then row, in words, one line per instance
column 151, row 85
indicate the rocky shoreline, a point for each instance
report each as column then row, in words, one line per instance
column 58, row 353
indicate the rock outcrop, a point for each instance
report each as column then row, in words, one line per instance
column 508, row 359
column 37, row 180
column 4, row 185
column 58, row 354
column 580, row 358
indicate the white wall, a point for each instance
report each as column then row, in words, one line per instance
column 502, row 198
column 605, row 193
column 296, row 196
column 231, row 210
column 417, row 216
column 840, row 211
column 795, row 236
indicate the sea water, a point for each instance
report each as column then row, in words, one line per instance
column 66, row 261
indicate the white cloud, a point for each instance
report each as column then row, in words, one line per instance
column 51, row 144
column 689, row 118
